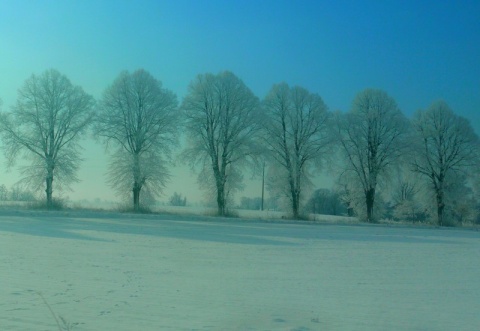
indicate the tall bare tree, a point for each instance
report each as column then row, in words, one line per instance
column 296, row 135
column 45, row 125
column 371, row 140
column 139, row 120
column 223, row 119
column 445, row 145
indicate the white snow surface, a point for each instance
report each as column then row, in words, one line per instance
column 107, row 271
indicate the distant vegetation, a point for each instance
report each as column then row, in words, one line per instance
column 177, row 200
column 16, row 193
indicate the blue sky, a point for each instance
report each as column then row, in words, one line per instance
column 418, row 51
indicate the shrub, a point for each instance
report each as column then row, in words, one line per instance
column 177, row 200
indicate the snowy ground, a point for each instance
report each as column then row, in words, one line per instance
column 126, row 272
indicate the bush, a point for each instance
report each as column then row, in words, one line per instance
column 408, row 210
column 250, row 203
column 177, row 200
column 57, row 204
column 128, row 208
column 326, row 202
column 464, row 212
column 232, row 213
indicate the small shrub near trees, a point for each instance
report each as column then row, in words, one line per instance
column 409, row 210
column 55, row 204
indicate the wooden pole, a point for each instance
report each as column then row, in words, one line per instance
column 263, row 183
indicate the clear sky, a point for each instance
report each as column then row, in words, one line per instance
column 418, row 51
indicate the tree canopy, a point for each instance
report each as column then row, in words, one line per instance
column 222, row 121
column 138, row 119
column 45, row 126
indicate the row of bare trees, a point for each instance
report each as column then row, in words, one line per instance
column 229, row 130
column 377, row 141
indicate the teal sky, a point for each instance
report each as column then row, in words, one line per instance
column 418, row 51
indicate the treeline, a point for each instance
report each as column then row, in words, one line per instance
column 427, row 164
column 16, row 193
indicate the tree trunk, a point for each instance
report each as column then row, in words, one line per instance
column 350, row 211
column 294, row 196
column 49, row 191
column 263, row 185
column 136, row 196
column 220, row 181
column 49, row 185
column 440, row 208
column 221, row 200
column 137, row 184
column 220, row 185
column 370, row 200
column 295, row 205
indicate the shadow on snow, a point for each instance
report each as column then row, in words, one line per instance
column 73, row 225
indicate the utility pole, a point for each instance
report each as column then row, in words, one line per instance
column 263, row 182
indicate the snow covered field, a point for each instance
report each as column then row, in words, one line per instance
column 132, row 272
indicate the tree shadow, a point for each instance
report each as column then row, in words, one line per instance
column 78, row 225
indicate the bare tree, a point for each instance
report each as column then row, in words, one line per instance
column 370, row 137
column 139, row 120
column 296, row 135
column 445, row 145
column 222, row 123
column 45, row 125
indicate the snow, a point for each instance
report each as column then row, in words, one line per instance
column 108, row 271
